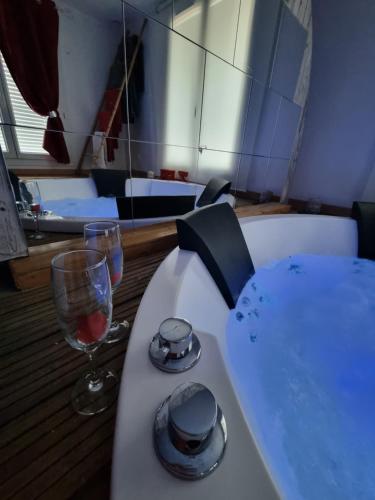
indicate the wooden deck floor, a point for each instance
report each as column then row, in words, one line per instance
column 48, row 451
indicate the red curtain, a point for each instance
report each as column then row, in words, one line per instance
column 29, row 32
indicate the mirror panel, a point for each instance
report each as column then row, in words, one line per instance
column 217, row 164
column 160, row 10
column 290, row 48
column 151, row 158
column 211, row 24
column 33, row 156
column 90, row 61
column 273, row 133
column 194, row 113
column 71, row 199
column 253, row 116
column 259, row 175
column 257, row 31
column 161, row 174
column 225, row 99
column 287, row 123
column 170, row 105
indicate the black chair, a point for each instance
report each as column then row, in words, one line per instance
column 146, row 207
column 213, row 190
column 14, row 179
column 215, row 234
column 364, row 214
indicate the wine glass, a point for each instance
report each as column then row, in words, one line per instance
column 83, row 299
column 34, row 201
column 106, row 237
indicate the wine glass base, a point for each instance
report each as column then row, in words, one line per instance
column 117, row 332
column 92, row 397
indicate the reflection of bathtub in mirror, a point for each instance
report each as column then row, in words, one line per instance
column 71, row 203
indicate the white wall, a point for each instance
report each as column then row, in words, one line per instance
column 337, row 156
column 87, row 47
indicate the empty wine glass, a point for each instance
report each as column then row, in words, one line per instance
column 105, row 237
column 82, row 293
column 34, row 201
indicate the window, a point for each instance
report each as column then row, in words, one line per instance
column 19, row 142
column 2, row 138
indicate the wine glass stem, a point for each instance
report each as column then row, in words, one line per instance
column 95, row 383
column 37, row 222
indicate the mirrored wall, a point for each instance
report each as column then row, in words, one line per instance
column 226, row 84
column 185, row 90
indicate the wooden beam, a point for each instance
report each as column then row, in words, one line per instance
column 34, row 271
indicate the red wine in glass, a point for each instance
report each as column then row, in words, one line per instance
column 106, row 237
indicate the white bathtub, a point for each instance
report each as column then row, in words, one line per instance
column 182, row 287
column 75, row 202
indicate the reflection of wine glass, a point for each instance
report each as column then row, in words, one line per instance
column 83, row 298
column 34, row 201
column 106, row 237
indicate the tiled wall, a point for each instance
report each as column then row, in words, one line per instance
column 224, row 89
column 240, row 86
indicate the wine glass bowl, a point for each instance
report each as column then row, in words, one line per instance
column 83, row 298
column 105, row 237
column 81, row 289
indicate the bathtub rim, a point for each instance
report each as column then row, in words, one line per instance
column 166, row 295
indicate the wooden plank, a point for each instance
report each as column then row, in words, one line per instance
column 34, row 271
column 93, row 486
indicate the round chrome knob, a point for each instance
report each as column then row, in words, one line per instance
column 190, row 432
column 175, row 348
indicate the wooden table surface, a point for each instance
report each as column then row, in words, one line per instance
column 48, row 451
column 34, row 270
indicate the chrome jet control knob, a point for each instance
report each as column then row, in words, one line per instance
column 190, row 432
column 175, row 348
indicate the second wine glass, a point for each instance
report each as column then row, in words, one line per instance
column 34, row 201
column 105, row 237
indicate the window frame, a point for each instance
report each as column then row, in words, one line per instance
column 13, row 152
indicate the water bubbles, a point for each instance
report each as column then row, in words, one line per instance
column 255, row 312
column 245, row 301
column 295, row 268
column 239, row 316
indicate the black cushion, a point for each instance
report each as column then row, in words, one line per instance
column 215, row 234
column 364, row 214
column 212, row 192
column 145, row 207
column 15, row 185
column 110, row 182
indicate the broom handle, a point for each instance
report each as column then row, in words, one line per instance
column 125, row 81
column 88, row 138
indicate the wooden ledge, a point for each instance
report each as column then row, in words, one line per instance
column 34, row 271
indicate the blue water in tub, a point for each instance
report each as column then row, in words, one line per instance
column 81, row 207
column 301, row 345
